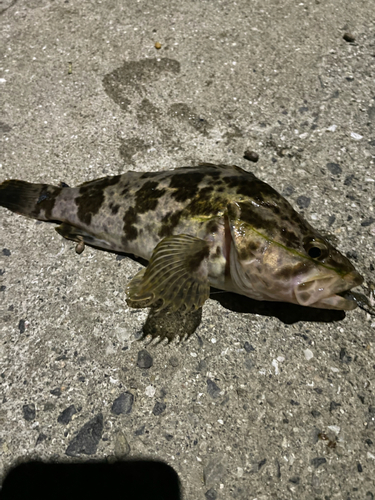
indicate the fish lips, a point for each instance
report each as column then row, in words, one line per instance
column 325, row 291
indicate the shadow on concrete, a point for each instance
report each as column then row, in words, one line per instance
column 285, row 312
column 128, row 480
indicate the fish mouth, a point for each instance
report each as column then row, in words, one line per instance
column 326, row 292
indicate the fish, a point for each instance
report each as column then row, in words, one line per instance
column 199, row 226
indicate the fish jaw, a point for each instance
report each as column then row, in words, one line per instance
column 324, row 291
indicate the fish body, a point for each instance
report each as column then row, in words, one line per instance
column 213, row 225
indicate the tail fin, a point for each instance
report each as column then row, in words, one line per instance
column 32, row 200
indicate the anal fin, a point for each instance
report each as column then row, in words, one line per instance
column 176, row 276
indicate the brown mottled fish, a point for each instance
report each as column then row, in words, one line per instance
column 197, row 226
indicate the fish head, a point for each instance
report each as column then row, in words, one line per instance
column 285, row 259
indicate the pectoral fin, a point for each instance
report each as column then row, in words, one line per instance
column 176, row 276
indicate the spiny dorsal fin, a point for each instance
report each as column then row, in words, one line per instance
column 177, row 275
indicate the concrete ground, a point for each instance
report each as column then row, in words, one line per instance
column 258, row 403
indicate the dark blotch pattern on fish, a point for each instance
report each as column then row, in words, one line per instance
column 46, row 201
column 92, row 197
column 147, row 197
column 131, row 232
column 194, row 261
column 169, row 222
column 185, row 185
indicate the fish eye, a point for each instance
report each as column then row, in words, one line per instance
column 316, row 248
column 314, row 252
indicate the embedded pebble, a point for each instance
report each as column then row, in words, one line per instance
column 56, row 391
column 308, row 354
column 122, row 447
column 66, row 415
column 28, row 412
column 303, row 201
column 173, row 360
column 248, row 347
column 334, row 168
column 356, row 136
column 123, row 404
column 316, row 462
column 88, row 437
column 159, row 408
column 211, row 494
column 213, row 389
column 214, row 471
column 21, row 325
column 144, row 359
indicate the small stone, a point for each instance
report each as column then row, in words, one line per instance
column 333, row 406
column 144, row 360
column 294, row 480
column 367, row 222
column 249, row 364
column 334, row 168
column 202, row 365
column 88, row 437
column 28, row 412
column 123, row 404
column 331, row 219
column 315, row 413
column 6, row 252
column 288, row 190
column 56, row 391
column 359, row 467
column 261, row 463
column 159, row 408
column 308, row 354
column 48, row 406
column 122, row 447
column 42, row 437
column 157, row 45
column 214, row 471
column 344, row 357
column 211, row 494
column 348, row 180
column 66, row 415
column 251, row 156
column 316, row 462
column 21, row 326
column 348, row 37
column 213, row 389
column 248, row 347
column 173, row 361
column 140, row 431
column 303, row 201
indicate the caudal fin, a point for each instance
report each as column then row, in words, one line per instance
column 32, row 200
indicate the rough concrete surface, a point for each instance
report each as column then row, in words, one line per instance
column 253, row 405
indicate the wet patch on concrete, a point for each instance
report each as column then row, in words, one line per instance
column 184, row 113
column 134, row 76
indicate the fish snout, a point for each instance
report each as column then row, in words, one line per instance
column 323, row 291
